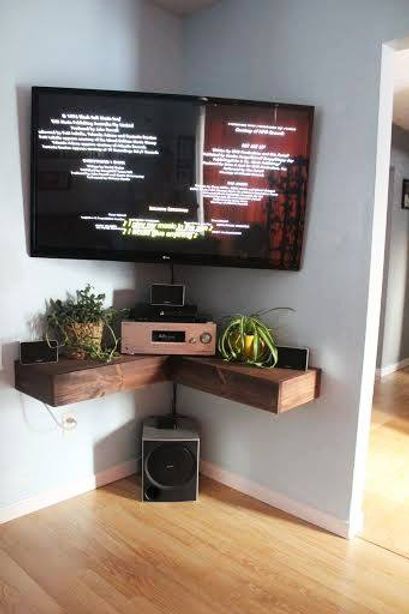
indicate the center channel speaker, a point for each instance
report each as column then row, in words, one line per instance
column 170, row 457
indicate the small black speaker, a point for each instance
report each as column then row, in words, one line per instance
column 170, row 459
column 292, row 358
column 167, row 294
column 32, row 352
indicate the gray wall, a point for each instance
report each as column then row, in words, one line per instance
column 319, row 52
column 326, row 53
column 393, row 343
column 81, row 43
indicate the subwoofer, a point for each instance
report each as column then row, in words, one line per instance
column 170, row 459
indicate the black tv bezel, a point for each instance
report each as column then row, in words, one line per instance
column 142, row 256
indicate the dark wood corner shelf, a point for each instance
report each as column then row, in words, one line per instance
column 70, row 381
column 275, row 390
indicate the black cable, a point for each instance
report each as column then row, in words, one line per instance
column 174, row 402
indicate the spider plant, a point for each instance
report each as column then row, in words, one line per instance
column 249, row 340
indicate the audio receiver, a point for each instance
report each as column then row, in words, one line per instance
column 195, row 338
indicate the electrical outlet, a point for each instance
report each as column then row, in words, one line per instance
column 69, row 421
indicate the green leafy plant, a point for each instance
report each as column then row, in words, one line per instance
column 249, row 340
column 78, row 324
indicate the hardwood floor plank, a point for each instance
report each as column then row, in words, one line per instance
column 20, row 593
column 386, row 501
column 105, row 551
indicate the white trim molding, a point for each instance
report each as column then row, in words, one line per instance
column 67, row 491
column 233, row 480
column 295, row 508
column 395, row 366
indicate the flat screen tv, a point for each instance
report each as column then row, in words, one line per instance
column 158, row 177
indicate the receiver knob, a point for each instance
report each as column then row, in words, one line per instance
column 205, row 338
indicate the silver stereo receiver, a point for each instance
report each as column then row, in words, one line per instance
column 195, row 338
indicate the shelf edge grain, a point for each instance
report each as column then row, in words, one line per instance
column 72, row 383
column 273, row 390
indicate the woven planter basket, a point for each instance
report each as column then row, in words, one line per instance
column 81, row 336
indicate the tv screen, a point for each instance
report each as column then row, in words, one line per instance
column 154, row 177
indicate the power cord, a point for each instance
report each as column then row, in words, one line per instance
column 173, row 410
column 68, row 425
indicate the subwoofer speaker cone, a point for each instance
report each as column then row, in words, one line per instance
column 170, row 465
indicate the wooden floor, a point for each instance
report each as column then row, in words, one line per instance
column 105, row 552
column 386, row 504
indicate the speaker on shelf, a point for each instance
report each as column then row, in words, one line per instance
column 293, row 358
column 170, row 459
column 167, row 294
column 33, row 352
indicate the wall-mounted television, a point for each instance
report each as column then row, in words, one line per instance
column 157, row 177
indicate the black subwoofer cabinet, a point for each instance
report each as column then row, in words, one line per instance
column 170, row 459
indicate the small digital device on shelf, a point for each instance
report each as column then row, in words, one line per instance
column 167, row 313
column 34, row 352
column 292, row 358
column 165, row 295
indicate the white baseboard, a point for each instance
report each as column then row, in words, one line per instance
column 67, row 491
column 123, row 470
column 321, row 519
column 396, row 366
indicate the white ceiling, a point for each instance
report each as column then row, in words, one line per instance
column 401, row 85
column 184, row 7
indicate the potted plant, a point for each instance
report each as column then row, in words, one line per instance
column 247, row 339
column 78, row 324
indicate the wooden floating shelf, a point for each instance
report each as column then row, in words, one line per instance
column 70, row 381
column 275, row 390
